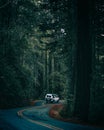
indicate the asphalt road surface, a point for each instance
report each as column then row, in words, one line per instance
column 35, row 118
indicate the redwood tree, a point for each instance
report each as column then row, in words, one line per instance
column 83, row 64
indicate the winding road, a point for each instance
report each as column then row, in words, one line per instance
column 35, row 118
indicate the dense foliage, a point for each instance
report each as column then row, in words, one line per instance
column 49, row 46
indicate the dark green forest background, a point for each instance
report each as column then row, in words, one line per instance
column 53, row 46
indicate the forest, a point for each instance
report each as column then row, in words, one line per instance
column 53, row 46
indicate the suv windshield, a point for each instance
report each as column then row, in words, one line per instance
column 48, row 96
column 51, row 98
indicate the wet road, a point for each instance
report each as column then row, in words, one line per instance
column 35, row 118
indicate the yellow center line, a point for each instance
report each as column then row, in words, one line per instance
column 20, row 113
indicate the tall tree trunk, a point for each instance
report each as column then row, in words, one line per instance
column 50, row 72
column 53, row 70
column 83, row 65
column 71, row 59
column 46, row 70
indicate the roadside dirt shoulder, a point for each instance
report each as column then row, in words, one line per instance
column 55, row 113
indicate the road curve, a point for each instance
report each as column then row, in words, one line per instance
column 37, row 115
column 35, row 118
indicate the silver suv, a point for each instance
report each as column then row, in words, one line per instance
column 51, row 98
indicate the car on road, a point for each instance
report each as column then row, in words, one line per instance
column 51, row 98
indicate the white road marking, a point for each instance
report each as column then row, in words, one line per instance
column 20, row 113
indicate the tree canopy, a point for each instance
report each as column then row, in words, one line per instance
column 49, row 46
